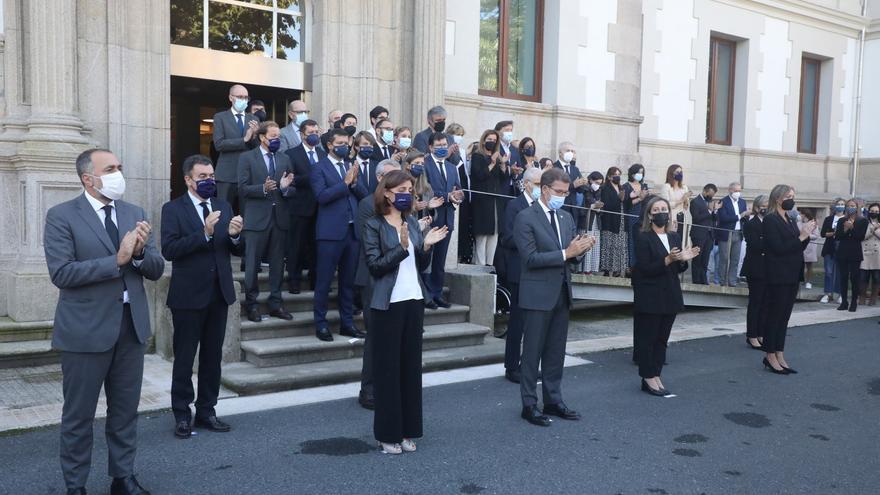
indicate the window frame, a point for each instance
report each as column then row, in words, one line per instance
column 503, row 48
column 714, row 42
column 808, row 60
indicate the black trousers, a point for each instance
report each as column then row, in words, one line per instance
column 652, row 337
column 202, row 331
column 513, row 339
column 700, row 264
column 780, row 301
column 465, row 232
column 850, row 276
column 756, row 315
column 300, row 249
column 397, row 370
column 367, row 362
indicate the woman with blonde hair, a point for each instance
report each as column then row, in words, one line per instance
column 491, row 175
column 679, row 197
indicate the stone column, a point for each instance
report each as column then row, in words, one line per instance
column 429, row 28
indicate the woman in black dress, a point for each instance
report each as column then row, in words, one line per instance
column 489, row 174
column 849, row 235
column 613, row 257
column 754, row 270
column 784, row 248
column 657, row 294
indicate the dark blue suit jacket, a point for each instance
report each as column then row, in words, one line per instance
column 196, row 262
column 303, row 204
column 512, row 261
column 337, row 203
column 368, row 179
column 727, row 217
column 445, row 214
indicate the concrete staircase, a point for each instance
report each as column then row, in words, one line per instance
column 282, row 355
column 26, row 343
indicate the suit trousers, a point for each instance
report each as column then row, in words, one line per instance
column 544, row 336
column 438, row 267
column 202, row 331
column 397, row 354
column 340, row 257
column 850, row 277
column 228, row 191
column 256, row 243
column 301, row 249
column 728, row 258
column 652, row 338
column 513, row 339
column 780, row 301
column 756, row 314
column 367, row 362
column 700, row 264
column 119, row 371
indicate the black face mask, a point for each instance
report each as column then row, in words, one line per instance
column 660, row 219
column 873, row 215
column 490, row 145
column 261, row 115
column 350, row 130
column 439, row 126
column 615, row 179
column 788, row 204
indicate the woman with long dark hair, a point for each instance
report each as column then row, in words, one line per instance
column 634, row 192
column 784, row 259
column 396, row 252
column 489, row 174
column 849, row 235
column 829, row 226
column 755, row 271
column 613, row 253
column 657, row 297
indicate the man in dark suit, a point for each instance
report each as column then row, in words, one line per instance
column 732, row 213
column 531, row 182
column 338, row 190
column 365, row 159
column 366, row 211
column 578, row 185
column 443, row 177
column 234, row 132
column 546, row 242
column 199, row 232
column 702, row 236
column 303, row 207
column 436, row 123
column 264, row 179
column 98, row 250
column 384, row 134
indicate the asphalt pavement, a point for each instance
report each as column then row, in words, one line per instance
column 732, row 428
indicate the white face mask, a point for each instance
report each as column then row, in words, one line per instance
column 735, row 196
column 507, row 136
column 595, row 187
column 568, row 156
column 114, row 186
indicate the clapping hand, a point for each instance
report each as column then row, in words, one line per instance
column 142, row 230
column 848, row 224
column 403, row 230
column 579, row 245
column 252, row 128
column 286, row 180
column 126, row 248
column 235, row 226
column 351, row 176
column 211, row 221
column 809, row 227
column 456, row 196
column 580, row 182
column 270, row 185
column 435, row 235
column 436, row 202
column 515, row 170
column 424, row 222
column 598, row 205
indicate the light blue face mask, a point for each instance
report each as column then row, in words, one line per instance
column 536, row 193
column 301, row 117
column 556, row 202
column 239, row 105
column 387, row 136
column 638, row 177
column 405, row 143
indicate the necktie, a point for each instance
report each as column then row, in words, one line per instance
column 365, row 172
column 555, row 228
column 205, row 210
column 240, row 120
column 112, row 231
column 312, row 157
column 442, row 171
column 385, row 152
column 271, row 164
column 341, row 170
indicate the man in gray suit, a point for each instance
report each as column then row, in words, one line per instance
column 540, row 232
column 264, row 179
column 297, row 112
column 234, row 132
column 98, row 250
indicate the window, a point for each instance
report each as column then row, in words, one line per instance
column 510, row 48
column 269, row 28
column 808, row 116
column 719, row 118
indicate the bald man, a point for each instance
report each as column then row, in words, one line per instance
column 234, row 132
column 332, row 118
column 297, row 113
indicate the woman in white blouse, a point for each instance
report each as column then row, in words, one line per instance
column 679, row 197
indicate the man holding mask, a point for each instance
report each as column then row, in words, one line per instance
column 98, row 250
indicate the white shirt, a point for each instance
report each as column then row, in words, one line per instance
column 102, row 215
column 440, row 166
column 834, row 221
column 559, row 231
column 406, row 287
column 308, row 149
column 738, row 213
column 266, row 154
column 197, row 203
column 664, row 238
column 529, row 198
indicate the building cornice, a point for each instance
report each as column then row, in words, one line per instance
column 737, row 150
column 806, row 13
column 489, row 103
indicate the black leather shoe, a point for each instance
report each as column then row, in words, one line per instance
column 76, row 491
column 512, row 375
column 183, row 429
column 853, row 306
column 791, row 371
column 562, row 411
column 254, row 315
column 352, row 332
column 534, row 416
column 430, row 305
column 366, row 400
column 653, row 391
column 213, row 424
column 281, row 313
column 771, row 369
column 293, row 287
column 126, row 486
column 324, row 334
column 443, row 303
column 843, row 306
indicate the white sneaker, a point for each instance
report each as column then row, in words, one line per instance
column 824, row 299
column 390, row 448
column 839, row 299
column 408, row 445
column 808, row 285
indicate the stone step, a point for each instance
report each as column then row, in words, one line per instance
column 303, row 323
column 27, row 353
column 248, row 379
column 287, row 351
column 18, row 331
column 304, row 301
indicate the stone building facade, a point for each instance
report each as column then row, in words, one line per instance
column 626, row 80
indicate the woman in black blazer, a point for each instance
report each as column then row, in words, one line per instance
column 829, row 225
column 489, row 174
column 613, row 253
column 849, row 235
column 396, row 252
column 755, row 272
column 656, row 290
column 784, row 261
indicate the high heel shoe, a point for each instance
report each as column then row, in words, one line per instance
column 770, row 367
column 843, row 306
column 655, row 392
column 755, row 347
column 791, row 371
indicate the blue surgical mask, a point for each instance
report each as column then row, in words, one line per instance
column 341, row 151
column 365, row 152
column 206, row 188
column 417, row 170
column 457, row 139
column 638, row 177
column 851, row 211
column 274, row 145
column 441, row 152
column 556, row 202
column 404, row 143
column 301, row 117
column 387, row 136
column 239, row 105
column 313, row 140
column 536, row 193
column 507, row 136
column 529, row 151
column 839, row 208
column 402, row 201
